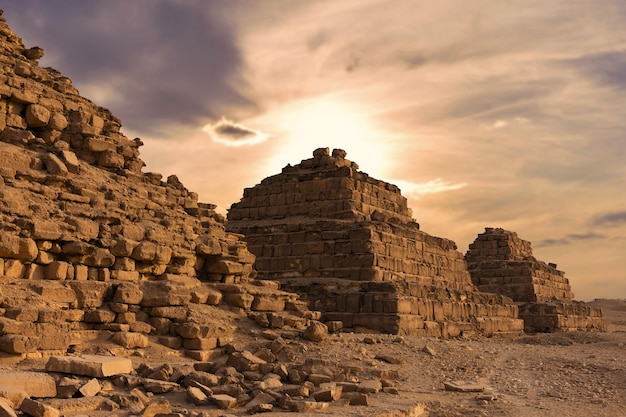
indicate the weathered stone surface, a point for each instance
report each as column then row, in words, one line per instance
column 131, row 340
column 223, row 401
column 35, row 384
column 90, row 365
column 91, row 388
column 36, row 115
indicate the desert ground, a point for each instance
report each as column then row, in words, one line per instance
column 568, row 374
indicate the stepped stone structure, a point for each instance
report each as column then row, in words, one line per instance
column 89, row 243
column 500, row 262
column 348, row 243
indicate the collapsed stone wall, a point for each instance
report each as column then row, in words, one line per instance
column 89, row 243
column 322, row 221
column 500, row 262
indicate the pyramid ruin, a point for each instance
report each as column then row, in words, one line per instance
column 500, row 262
column 348, row 243
column 89, row 243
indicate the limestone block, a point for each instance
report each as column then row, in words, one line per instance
column 36, row 116
column 24, row 97
column 91, row 388
column 34, row 272
column 157, row 386
column 90, row 294
column 57, row 121
column 35, row 384
column 56, row 270
column 130, row 340
column 162, row 293
column 244, row 361
column 111, row 159
column 128, row 293
column 85, row 228
column 268, row 303
column 124, row 247
column 38, row 409
column 145, row 251
column 99, row 316
column 224, row 267
column 20, row 248
column 239, row 300
column 316, row 332
column 13, row 343
column 223, row 401
column 90, row 365
column 208, row 245
column 12, row 395
column 14, row 268
column 98, row 145
column 200, row 344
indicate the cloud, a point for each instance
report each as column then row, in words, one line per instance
column 607, row 68
column 230, row 133
column 417, row 190
column 610, row 219
column 176, row 62
column 569, row 239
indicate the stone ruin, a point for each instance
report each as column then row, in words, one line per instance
column 500, row 262
column 102, row 245
column 99, row 257
column 348, row 243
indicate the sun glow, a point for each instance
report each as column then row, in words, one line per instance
column 329, row 122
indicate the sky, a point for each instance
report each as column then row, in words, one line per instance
column 485, row 113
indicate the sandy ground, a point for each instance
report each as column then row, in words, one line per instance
column 576, row 374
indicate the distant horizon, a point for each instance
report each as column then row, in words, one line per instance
column 506, row 116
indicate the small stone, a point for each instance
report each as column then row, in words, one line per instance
column 90, row 389
column 316, row 332
column 462, row 386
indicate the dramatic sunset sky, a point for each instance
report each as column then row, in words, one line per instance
column 491, row 113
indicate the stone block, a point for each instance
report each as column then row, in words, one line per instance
column 13, row 395
column 90, row 294
column 268, row 303
column 54, row 165
column 128, row 293
column 56, row 270
column 38, row 409
column 200, row 344
column 90, row 365
column 130, row 340
column 35, row 384
column 91, row 388
column 13, row 343
column 224, row 401
column 20, row 248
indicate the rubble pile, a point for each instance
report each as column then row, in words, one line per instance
column 500, row 262
column 347, row 242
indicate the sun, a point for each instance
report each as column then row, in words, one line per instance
column 329, row 122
